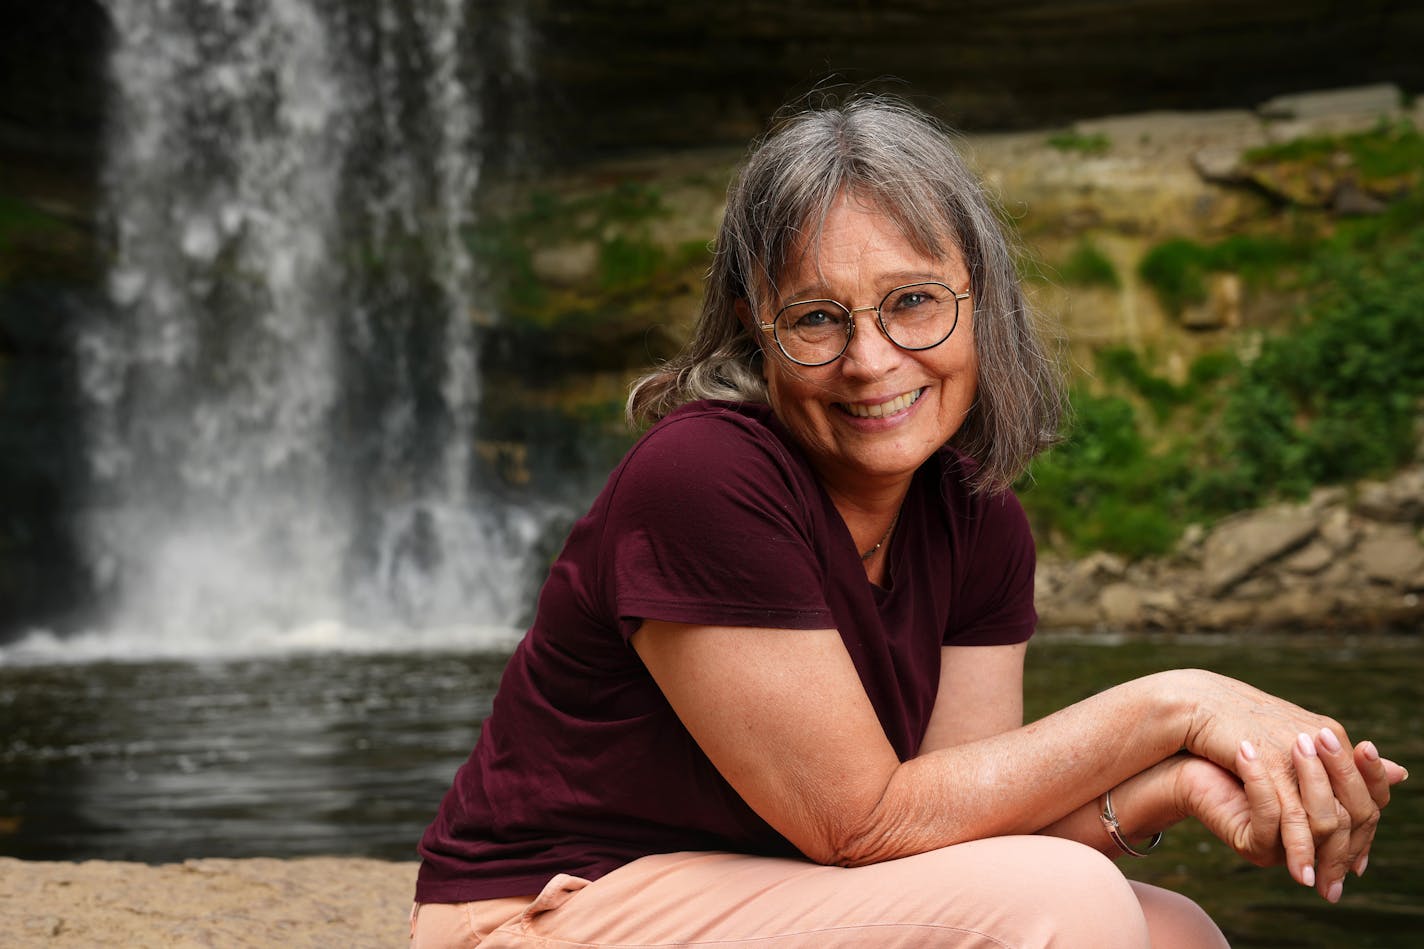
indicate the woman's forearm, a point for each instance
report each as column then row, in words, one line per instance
column 1024, row 780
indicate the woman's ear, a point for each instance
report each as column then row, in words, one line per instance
column 744, row 314
column 748, row 320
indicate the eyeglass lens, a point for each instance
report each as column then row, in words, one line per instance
column 919, row 316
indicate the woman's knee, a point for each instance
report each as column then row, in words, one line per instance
column 1176, row 922
column 1067, row 894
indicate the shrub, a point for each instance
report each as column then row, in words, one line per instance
column 1176, row 270
column 1088, row 266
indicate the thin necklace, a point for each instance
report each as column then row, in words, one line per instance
column 883, row 538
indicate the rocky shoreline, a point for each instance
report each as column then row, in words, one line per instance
column 316, row 902
column 1346, row 558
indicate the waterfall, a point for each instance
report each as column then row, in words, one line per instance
column 281, row 399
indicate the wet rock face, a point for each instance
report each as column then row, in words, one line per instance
column 611, row 76
column 616, row 74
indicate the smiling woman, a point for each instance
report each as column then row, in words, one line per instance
column 773, row 690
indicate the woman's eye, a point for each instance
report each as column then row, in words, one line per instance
column 913, row 299
column 817, row 319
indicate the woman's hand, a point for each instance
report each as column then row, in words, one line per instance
column 1304, row 797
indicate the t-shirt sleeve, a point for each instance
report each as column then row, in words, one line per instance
column 994, row 606
column 709, row 523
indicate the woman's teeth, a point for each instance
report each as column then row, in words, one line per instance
column 881, row 409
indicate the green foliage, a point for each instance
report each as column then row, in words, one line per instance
column 1337, row 398
column 1095, row 490
column 625, row 262
column 1176, row 270
column 1071, row 141
column 1088, row 266
column 1119, row 364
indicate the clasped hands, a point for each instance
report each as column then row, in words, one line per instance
column 1279, row 784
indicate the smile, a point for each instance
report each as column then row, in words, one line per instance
column 881, row 409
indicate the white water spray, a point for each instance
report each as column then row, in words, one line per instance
column 282, row 400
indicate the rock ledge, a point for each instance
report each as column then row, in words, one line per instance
column 1344, row 559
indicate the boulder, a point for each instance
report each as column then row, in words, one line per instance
column 1399, row 500
column 1393, row 555
column 1242, row 544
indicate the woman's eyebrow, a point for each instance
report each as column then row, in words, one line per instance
column 889, row 281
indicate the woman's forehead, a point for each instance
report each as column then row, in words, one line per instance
column 854, row 227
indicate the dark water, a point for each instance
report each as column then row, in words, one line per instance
column 344, row 754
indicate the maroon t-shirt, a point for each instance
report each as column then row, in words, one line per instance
column 714, row 517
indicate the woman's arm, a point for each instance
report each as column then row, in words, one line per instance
column 980, row 694
column 783, row 716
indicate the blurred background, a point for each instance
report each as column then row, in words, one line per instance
column 316, row 320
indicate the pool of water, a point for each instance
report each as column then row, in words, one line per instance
column 349, row 754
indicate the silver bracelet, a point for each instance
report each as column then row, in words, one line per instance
column 1114, row 830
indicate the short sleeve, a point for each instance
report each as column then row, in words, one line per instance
column 710, row 522
column 994, row 602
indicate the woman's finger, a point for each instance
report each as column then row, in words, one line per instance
column 1351, row 790
column 1328, row 819
column 1372, row 768
column 1376, row 775
column 1262, row 835
column 1301, row 796
column 1396, row 773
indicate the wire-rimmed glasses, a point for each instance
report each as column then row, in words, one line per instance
column 915, row 317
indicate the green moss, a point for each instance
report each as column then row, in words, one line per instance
column 1072, row 141
column 1176, row 269
column 1088, row 266
column 616, row 222
column 1389, row 151
column 625, row 262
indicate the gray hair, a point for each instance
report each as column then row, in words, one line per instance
column 902, row 161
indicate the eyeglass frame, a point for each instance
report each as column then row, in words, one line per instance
column 879, row 320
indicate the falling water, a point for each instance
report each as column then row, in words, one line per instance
column 283, row 395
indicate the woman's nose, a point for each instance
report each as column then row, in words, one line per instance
column 869, row 352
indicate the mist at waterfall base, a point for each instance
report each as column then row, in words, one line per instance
column 282, row 396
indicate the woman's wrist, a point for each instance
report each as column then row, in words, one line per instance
column 1150, row 802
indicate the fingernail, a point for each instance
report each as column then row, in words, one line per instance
column 1328, row 739
column 1306, row 745
column 1307, row 876
column 1337, row 890
column 1360, row 866
column 1248, row 751
column 1371, row 752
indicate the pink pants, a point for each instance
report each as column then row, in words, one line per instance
column 1005, row 891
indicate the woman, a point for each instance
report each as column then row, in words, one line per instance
column 773, row 691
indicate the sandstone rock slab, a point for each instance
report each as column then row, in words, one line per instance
column 1394, row 556
column 315, row 902
column 1241, row 545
